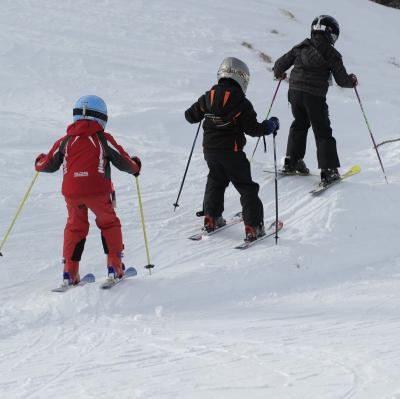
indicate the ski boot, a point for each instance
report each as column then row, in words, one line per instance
column 115, row 267
column 71, row 272
column 292, row 168
column 211, row 223
column 254, row 232
column 328, row 176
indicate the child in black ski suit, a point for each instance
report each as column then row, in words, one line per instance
column 228, row 114
column 314, row 61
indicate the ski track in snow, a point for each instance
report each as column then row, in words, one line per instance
column 314, row 317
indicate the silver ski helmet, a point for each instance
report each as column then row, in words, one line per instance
column 235, row 69
column 326, row 25
column 91, row 107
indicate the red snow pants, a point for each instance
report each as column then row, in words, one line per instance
column 77, row 226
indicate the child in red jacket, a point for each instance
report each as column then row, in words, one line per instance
column 85, row 153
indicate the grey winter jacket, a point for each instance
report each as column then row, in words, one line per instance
column 314, row 60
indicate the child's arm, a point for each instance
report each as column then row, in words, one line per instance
column 342, row 78
column 283, row 63
column 54, row 159
column 250, row 125
column 118, row 156
column 196, row 112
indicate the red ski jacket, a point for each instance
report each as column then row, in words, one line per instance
column 85, row 153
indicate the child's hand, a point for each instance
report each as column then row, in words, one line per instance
column 354, row 79
column 282, row 77
column 39, row 162
column 138, row 162
column 273, row 126
column 39, row 158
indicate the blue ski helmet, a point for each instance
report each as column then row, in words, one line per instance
column 91, row 107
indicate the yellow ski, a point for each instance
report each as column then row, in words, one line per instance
column 352, row 171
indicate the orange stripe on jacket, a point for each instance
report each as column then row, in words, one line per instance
column 226, row 98
column 212, row 96
column 237, row 115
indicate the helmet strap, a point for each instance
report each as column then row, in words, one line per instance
column 89, row 112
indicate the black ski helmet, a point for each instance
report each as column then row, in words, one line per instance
column 326, row 25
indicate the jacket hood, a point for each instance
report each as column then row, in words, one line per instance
column 84, row 128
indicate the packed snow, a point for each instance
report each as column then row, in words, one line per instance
column 316, row 316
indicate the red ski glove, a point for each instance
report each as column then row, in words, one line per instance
column 38, row 159
column 138, row 162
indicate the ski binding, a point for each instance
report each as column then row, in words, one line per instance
column 351, row 172
column 269, row 232
column 236, row 218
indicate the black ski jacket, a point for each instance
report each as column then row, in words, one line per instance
column 314, row 60
column 227, row 114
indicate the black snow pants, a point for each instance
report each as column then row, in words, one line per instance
column 310, row 110
column 226, row 167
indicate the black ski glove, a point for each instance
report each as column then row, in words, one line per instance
column 354, row 79
column 282, row 77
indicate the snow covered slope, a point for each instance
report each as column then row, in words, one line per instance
column 315, row 317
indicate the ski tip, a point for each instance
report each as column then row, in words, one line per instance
column 130, row 272
column 89, row 278
column 356, row 168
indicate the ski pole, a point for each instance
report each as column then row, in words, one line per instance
column 276, row 193
column 149, row 265
column 18, row 211
column 370, row 132
column 187, row 167
column 269, row 111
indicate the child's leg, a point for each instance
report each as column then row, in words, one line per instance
column 297, row 140
column 217, row 181
column 110, row 227
column 237, row 167
column 75, row 232
column 318, row 112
